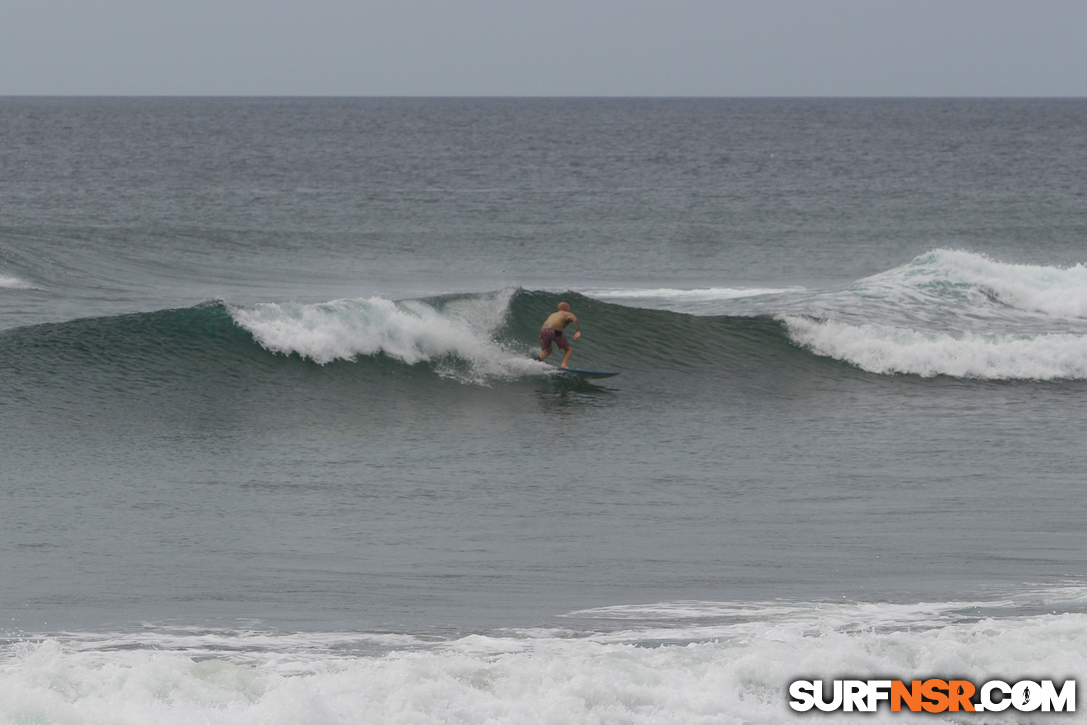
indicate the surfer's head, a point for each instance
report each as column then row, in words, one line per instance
column 564, row 307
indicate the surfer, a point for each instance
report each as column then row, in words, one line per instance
column 551, row 332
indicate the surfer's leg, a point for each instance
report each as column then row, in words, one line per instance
column 545, row 348
column 566, row 357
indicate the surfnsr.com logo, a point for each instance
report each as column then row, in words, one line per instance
column 934, row 695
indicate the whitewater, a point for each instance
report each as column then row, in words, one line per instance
column 677, row 662
column 958, row 314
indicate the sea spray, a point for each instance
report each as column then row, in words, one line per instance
column 458, row 336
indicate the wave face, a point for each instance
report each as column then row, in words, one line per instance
column 475, row 339
column 493, row 336
column 673, row 662
column 147, row 345
column 947, row 312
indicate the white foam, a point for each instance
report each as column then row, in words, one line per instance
column 706, row 294
column 889, row 349
column 734, row 667
column 7, row 282
column 410, row 331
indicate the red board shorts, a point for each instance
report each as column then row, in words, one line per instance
column 548, row 336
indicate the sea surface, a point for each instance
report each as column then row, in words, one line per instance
column 274, row 449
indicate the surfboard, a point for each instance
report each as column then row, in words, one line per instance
column 587, row 374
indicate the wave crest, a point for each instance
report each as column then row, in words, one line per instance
column 956, row 274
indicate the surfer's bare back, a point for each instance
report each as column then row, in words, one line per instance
column 551, row 332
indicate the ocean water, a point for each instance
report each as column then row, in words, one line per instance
column 273, row 448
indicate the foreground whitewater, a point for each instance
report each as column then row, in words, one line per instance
column 678, row 662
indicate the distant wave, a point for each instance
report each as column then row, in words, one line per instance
column 7, row 282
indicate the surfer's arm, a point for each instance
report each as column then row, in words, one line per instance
column 577, row 325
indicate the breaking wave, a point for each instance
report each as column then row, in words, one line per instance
column 953, row 313
column 413, row 331
column 885, row 349
column 945, row 313
column 1054, row 291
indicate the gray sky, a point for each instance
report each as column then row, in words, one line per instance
column 544, row 47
